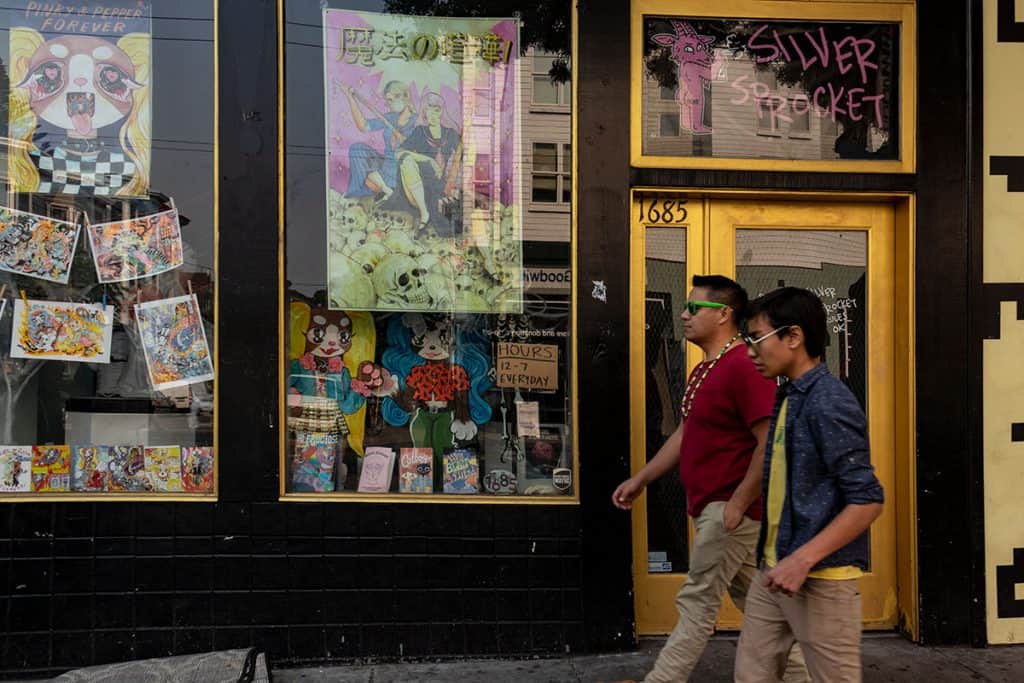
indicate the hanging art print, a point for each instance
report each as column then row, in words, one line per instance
column 62, row 330
column 80, row 118
column 136, row 248
column 423, row 169
column 37, row 246
column 174, row 342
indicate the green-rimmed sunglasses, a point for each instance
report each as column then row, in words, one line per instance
column 693, row 306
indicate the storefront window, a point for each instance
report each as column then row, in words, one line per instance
column 107, row 267
column 426, row 341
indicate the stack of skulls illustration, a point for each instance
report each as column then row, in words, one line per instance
column 379, row 259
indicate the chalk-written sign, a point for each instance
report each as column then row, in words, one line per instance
column 779, row 89
column 527, row 366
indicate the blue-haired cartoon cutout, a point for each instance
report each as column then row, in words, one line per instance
column 443, row 373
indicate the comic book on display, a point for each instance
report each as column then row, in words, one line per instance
column 314, row 458
column 126, row 468
column 163, row 467
column 416, row 470
column 197, row 468
column 89, row 467
column 378, row 466
column 51, row 468
column 15, row 469
column 461, row 471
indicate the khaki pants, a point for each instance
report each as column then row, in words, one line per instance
column 823, row 617
column 720, row 561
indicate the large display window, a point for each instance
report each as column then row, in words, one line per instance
column 107, row 251
column 426, row 327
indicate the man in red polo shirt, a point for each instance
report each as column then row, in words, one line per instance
column 719, row 449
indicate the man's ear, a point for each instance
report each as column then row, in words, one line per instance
column 795, row 337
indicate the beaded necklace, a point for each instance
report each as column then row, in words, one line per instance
column 694, row 384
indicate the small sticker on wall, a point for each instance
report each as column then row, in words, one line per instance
column 600, row 291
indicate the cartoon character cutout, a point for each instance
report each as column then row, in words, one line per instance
column 693, row 56
column 77, row 86
column 327, row 348
column 443, row 375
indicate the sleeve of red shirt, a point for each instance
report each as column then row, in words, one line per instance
column 753, row 393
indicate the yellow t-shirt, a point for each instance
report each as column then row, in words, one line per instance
column 776, row 498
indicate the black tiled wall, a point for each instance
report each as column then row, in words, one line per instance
column 91, row 583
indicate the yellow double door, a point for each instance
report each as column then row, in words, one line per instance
column 848, row 253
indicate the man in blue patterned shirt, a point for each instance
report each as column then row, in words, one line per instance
column 820, row 497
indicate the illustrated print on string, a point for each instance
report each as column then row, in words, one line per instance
column 693, row 56
column 442, row 374
column 174, row 342
column 80, row 115
column 37, row 246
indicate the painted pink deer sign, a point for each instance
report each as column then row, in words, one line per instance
column 693, row 57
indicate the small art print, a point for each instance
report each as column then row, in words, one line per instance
column 174, row 342
column 461, row 471
column 15, row 469
column 136, row 248
column 51, row 468
column 89, row 468
column 163, row 467
column 36, row 246
column 197, row 468
column 62, row 330
column 124, row 465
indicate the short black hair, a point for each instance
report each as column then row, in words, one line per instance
column 792, row 306
column 724, row 291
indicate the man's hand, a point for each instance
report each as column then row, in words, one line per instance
column 788, row 575
column 626, row 492
column 732, row 516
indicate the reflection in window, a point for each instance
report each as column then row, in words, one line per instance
column 669, row 125
column 544, row 90
column 551, row 177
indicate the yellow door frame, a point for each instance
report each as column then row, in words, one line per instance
column 657, row 589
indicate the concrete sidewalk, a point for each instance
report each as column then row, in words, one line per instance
column 886, row 658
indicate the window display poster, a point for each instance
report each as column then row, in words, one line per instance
column 51, row 468
column 174, row 342
column 136, row 248
column 80, row 118
column 423, row 169
column 37, row 246
column 62, row 330
column 163, row 467
column 15, row 469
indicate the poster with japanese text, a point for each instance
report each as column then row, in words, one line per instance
column 37, row 246
column 174, row 342
column 423, row 163
column 79, row 119
column 62, row 330
column 136, row 248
